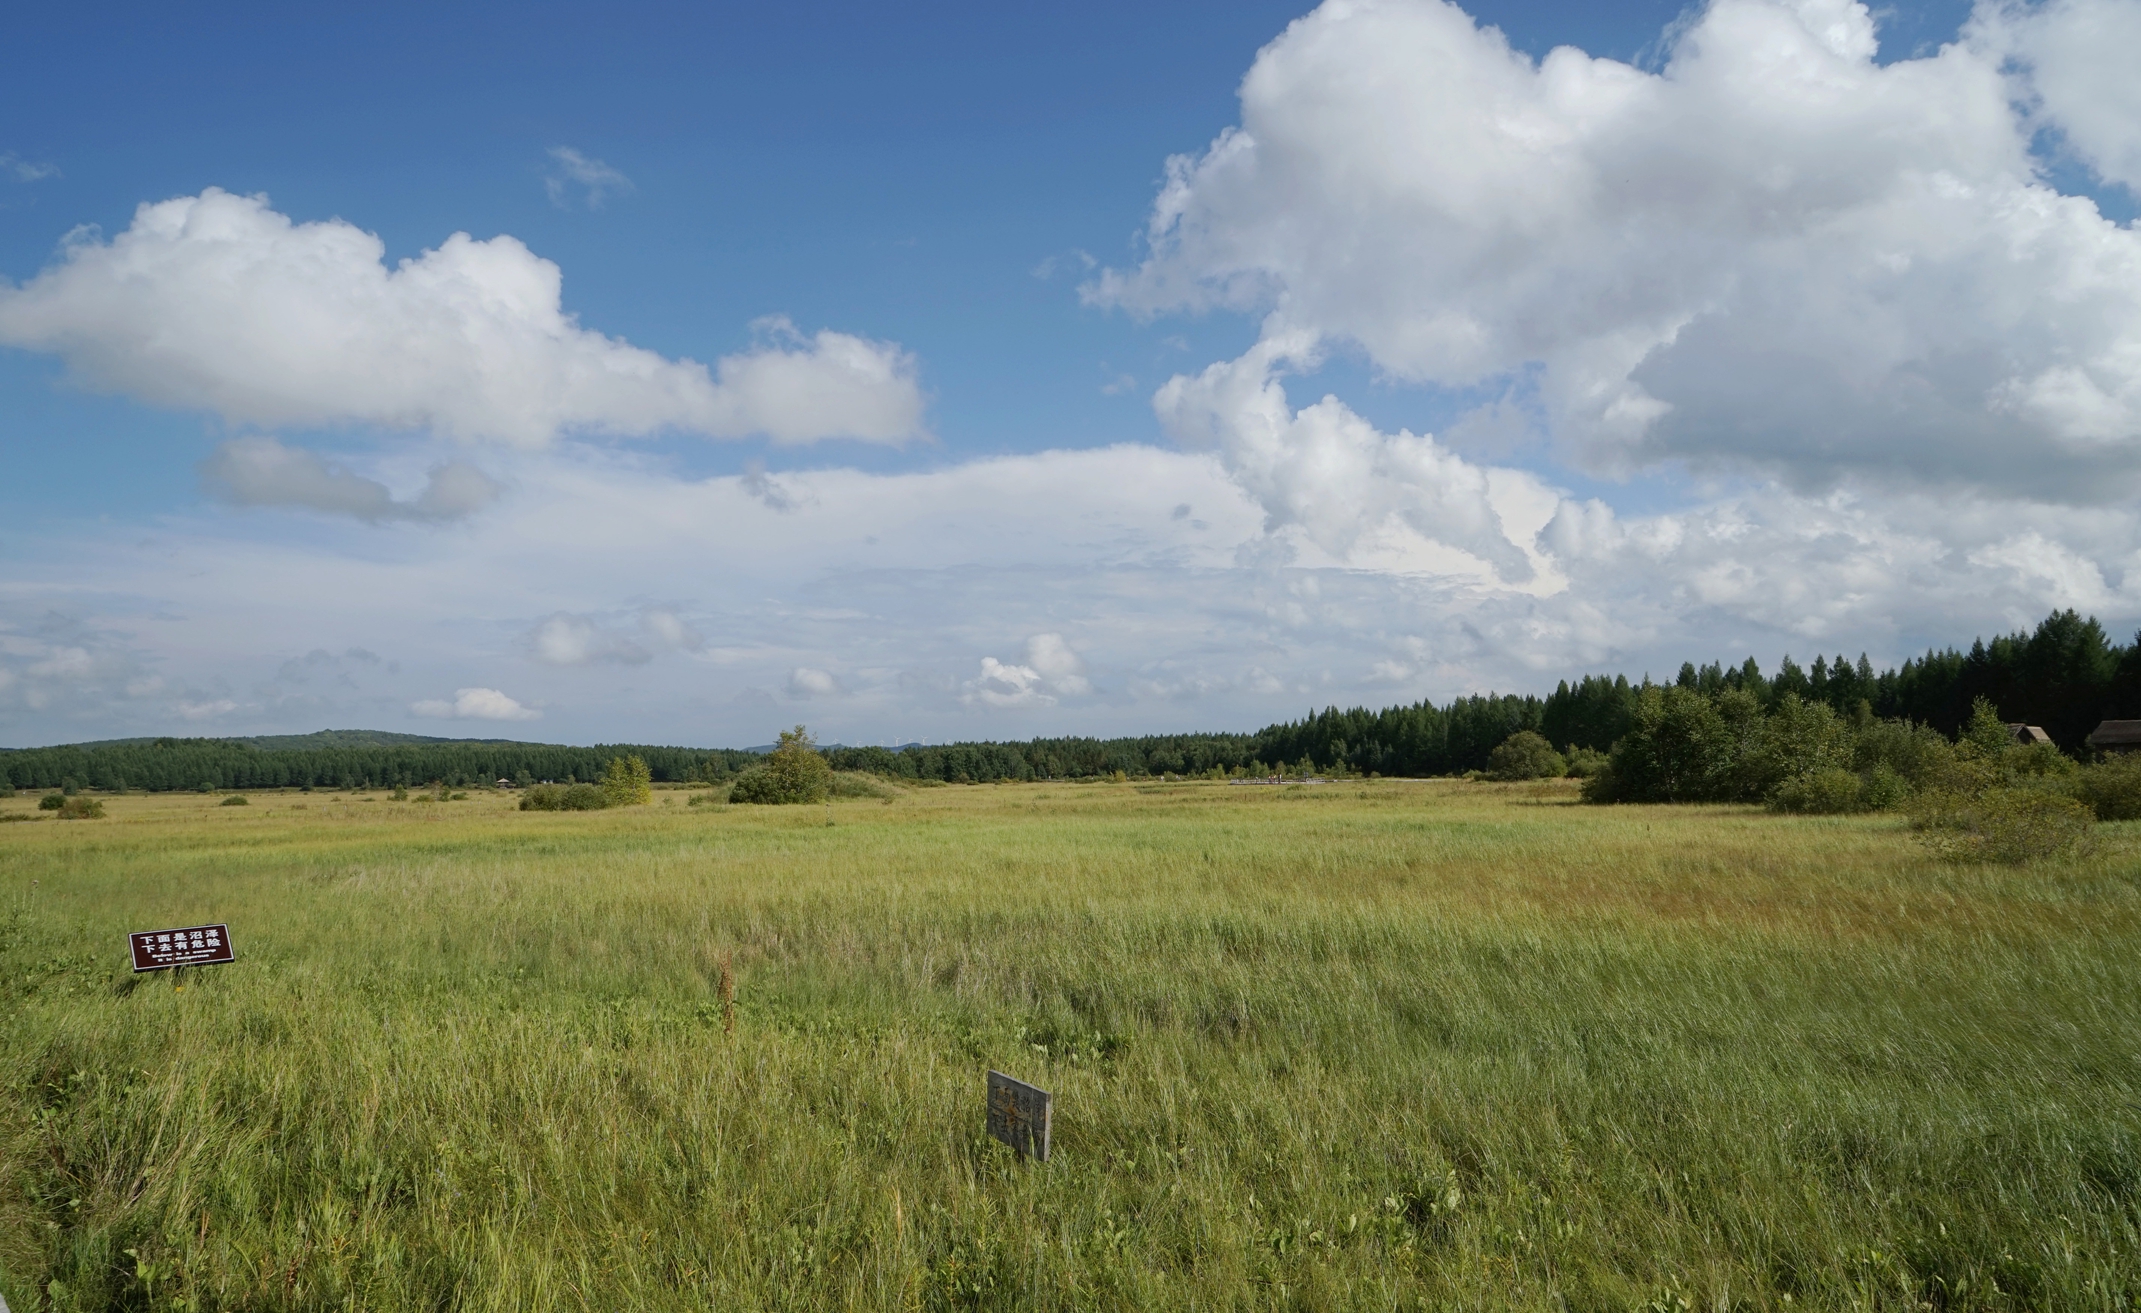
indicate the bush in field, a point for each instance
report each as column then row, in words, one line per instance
column 1525, row 756
column 2111, row 789
column 564, row 798
column 1915, row 754
column 81, row 809
column 1797, row 739
column 856, row 784
column 1829, row 791
column 1585, row 762
column 7, row 789
column 2001, row 824
column 628, row 783
column 234, row 800
column 1986, row 735
column 51, row 802
column 1677, row 751
column 794, row 772
column 1885, row 789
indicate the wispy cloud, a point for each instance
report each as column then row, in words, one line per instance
column 581, row 178
column 23, row 170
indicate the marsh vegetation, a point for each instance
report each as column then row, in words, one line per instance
column 1371, row 1045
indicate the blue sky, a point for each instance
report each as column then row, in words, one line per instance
column 1585, row 325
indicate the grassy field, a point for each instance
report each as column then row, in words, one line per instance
column 1374, row 1046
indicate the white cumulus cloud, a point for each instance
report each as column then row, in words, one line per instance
column 1772, row 252
column 1051, row 670
column 218, row 303
column 1328, row 472
column 2077, row 58
column 475, row 704
column 811, row 682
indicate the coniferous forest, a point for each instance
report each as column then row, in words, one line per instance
column 2065, row 676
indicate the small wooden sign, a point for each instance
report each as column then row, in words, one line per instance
column 1019, row 1115
column 194, row 946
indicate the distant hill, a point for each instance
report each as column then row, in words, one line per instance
column 326, row 738
column 342, row 759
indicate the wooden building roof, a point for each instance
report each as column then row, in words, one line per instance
column 2116, row 734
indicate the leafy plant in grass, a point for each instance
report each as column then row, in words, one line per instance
column 234, row 800
column 51, row 802
column 2111, row 789
column 81, row 809
column 1525, row 755
column 2001, row 824
column 794, row 772
column 628, row 783
column 856, row 784
column 1585, row 762
column 7, row 789
column 1829, row 791
column 564, row 798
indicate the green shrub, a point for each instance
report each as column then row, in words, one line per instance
column 1829, row 791
column 627, row 783
column 2035, row 761
column 51, row 802
column 81, row 809
column 1525, row 756
column 234, row 800
column 1885, row 788
column 205, row 786
column 857, row 784
column 1796, row 740
column 794, row 772
column 759, row 786
column 2111, row 789
column 7, row 789
column 2001, row 824
column 1678, row 750
column 1585, row 763
column 564, row 798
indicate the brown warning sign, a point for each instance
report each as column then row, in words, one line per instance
column 196, row 945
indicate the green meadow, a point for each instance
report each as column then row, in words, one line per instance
column 1381, row 1045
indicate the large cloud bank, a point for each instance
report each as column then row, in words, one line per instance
column 1774, row 252
column 218, row 303
column 1850, row 286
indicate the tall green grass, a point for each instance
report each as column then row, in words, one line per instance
column 1381, row 1046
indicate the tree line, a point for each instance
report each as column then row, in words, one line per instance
column 166, row 764
column 2065, row 676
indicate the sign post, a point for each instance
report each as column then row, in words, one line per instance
column 1019, row 1115
column 193, row 946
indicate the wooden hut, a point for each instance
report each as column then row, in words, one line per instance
column 2116, row 736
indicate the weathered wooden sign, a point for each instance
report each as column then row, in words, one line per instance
column 1019, row 1115
column 196, row 945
